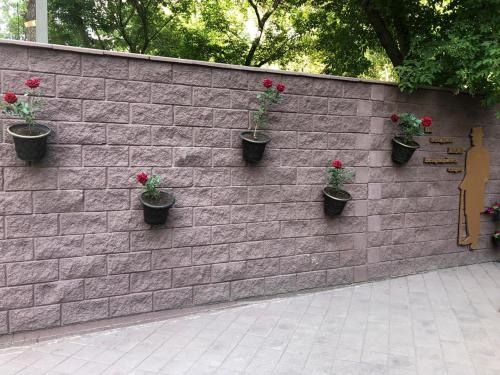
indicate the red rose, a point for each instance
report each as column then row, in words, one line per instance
column 32, row 83
column 267, row 83
column 394, row 117
column 10, row 97
column 337, row 164
column 142, row 178
column 280, row 87
column 426, row 121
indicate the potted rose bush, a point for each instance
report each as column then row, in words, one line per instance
column 335, row 197
column 494, row 210
column 30, row 138
column 254, row 141
column 155, row 202
column 403, row 145
column 496, row 238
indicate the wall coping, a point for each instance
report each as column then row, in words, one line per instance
column 93, row 51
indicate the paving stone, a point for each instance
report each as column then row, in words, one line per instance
column 402, row 326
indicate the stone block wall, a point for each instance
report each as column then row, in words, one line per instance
column 73, row 244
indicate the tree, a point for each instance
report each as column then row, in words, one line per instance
column 449, row 43
column 214, row 30
column 12, row 14
column 74, row 23
column 463, row 53
column 347, row 30
column 278, row 31
column 132, row 25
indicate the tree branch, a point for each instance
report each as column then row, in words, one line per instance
column 384, row 35
column 122, row 28
column 261, row 24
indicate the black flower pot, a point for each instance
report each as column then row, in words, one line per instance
column 496, row 216
column 496, row 241
column 30, row 146
column 253, row 148
column 335, row 200
column 156, row 211
column 402, row 151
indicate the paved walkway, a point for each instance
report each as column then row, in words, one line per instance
column 444, row 322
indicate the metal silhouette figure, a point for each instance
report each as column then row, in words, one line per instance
column 472, row 187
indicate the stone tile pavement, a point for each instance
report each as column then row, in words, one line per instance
column 441, row 322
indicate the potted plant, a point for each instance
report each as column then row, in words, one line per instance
column 496, row 239
column 30, row 138
column 335, row 197
column 403, row 145
column 155, row 202
column 254, row 141
column 494, row 210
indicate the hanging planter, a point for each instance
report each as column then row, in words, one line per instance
column 403, row 145
column 253, row 147
column 401, row 151
column 156, row 203
column 254, row 141
column 30, row 138
column 30, row 142
column 494, row 211
column 335, row 198
column 496, row 239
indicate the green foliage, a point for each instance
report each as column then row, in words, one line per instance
column 463, row 53
column 151, row 187
column 448, row 43
column 270, row 96
column 11, row 12
column 337, row 177
column 354, row 35
column 227, row 31
column 410, row 126
column 25, row 109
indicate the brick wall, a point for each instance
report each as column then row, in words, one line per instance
column 74, row 246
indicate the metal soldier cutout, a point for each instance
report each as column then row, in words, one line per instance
column 477, row 170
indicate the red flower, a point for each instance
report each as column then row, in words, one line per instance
column 337, row 164
column 280, row 87
column 394, row 117
column 32, row 83
column 142, row 178
column 267, row 83
column 426, row 121
column 10, row 97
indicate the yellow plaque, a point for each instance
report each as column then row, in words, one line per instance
column 31, row 23
column 440, row 161
column 440, row 140
column 472, row 187
column 454, row 170
column 455, row 150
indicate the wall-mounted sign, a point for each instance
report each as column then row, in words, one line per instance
column 440, row 161
column 441, row 140
column 455, row 150
column 477, row 170
column 454, row 170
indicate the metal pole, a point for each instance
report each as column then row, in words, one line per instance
column 18, row 25
column 42, row 29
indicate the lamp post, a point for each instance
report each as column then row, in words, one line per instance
column 36, row 21
column 42, row 32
